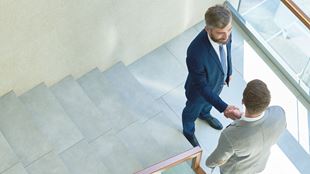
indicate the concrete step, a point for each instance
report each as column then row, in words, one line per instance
column 113, row 152
column 80, row 108
column 8, row 157
column 108, row 100
column 83, row 158
column 51, row 163
column 164, row 130
column 134, row 146
column 159, row 71
column 20, row 130
column 131, row 91
column 142, row 145
column 16, row 169
column 51, row 118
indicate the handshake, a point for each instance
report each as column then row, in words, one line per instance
column 232, row 112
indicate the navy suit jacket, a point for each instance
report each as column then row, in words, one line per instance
column 205, row 77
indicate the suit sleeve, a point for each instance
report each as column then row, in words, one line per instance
column 197, row 71
column 221, row 154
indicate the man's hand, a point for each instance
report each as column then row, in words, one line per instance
column 232, row 112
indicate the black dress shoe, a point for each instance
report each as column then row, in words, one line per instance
column 213, row 122
column 192, row 139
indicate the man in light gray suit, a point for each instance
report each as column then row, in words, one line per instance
column 244, row 146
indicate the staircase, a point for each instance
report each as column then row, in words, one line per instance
column 102, row 123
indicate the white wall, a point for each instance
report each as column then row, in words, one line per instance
column 45, row 40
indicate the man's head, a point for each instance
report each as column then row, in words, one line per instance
column 256, row 97
column 218, row 23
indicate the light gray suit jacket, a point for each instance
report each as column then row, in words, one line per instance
column 244, row 147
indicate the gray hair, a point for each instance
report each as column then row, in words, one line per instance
column 217, row 16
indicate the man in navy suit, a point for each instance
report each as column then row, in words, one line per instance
column 209, row 69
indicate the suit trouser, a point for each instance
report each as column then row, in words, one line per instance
column 194, row 108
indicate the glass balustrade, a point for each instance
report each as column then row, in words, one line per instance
column 276, row 33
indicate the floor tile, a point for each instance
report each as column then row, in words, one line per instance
column 48, row 164
column 178, row 46
column 158, row 71
column 176, row 99
column 168, row 125
column 112, row 152
column 82, row 158
column 141, row 144
column 16, row 169
column 238, row 59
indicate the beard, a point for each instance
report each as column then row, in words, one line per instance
column 219, row 40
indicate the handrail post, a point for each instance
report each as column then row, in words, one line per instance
column 196, row 164
column 196, row 161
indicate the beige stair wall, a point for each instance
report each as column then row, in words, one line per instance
column 45, row 40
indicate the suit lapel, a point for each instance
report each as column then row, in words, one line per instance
column 214, row 56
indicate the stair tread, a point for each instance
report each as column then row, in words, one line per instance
column 82, row 158
column 80, row 108
column 158, row 71
column 51, row 163
column 20, row 130
column 16, row 169
column 173, row 142
column 131, row 90
column 141, row 144
column 51, row 118
column 113, row 152
column 8, row 157
column 107, row 99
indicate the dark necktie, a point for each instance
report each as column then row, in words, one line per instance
column 223, row 60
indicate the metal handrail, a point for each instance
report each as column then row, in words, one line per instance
column 192, row 154
column 297, row 12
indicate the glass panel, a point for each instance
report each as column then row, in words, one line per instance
column 234, row 3
column 254, row 67
column 284, row 33
column 288, row 39
column 304, row 5
column 183, row 168
column 246, row 6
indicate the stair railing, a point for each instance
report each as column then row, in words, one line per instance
column 297, row 12
column 192, row 154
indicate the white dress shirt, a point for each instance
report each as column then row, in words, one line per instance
column 248, row 119
column 216, row 47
